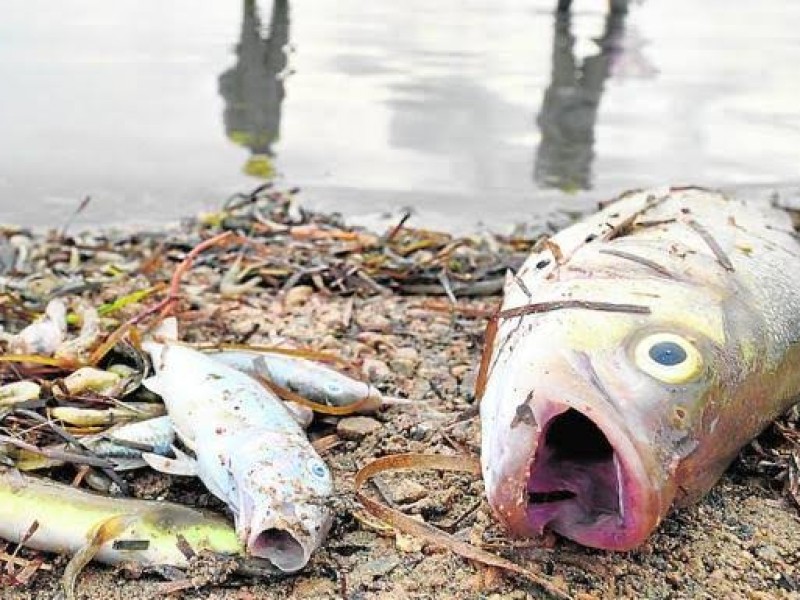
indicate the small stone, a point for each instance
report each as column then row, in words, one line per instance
column 357, row 428
column 406, row 354
column 768, row 553
column 313, row 587
column 375, row 370
column 373, row 322
column 674, row 579
column 407, row 491
column 408, row 543
column 404, row 367
column 458, row 371
column 374, row 568
column 298, row 295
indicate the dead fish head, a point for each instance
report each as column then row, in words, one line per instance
column 281, row 489
column 590, row 420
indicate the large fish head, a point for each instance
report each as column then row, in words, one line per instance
column 589, row 416
column 281, row 488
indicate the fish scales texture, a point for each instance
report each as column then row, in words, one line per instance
column 250, row 453
column 596, row 423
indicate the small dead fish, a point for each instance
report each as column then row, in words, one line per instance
column 92, row 417
column 53, row 517
column 18, row 392
column 626, row 377
column 86, row 339
column 129, row 441
column 89, row 379
column 307, row 378
column 249, row 452
column 122, row 444
column 44, row 335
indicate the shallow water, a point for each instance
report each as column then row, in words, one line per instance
column 479, row 110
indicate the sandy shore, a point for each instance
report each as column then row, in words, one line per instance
column 366, row 298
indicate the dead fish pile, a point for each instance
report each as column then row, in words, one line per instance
column 71, row 391
column 635, row 354
column 247, row 448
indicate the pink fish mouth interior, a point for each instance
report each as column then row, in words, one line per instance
column 280, row 547
column 577, row 486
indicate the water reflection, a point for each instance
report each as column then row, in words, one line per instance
column 253, row 89
column 571, row 103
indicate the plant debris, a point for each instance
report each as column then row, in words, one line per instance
column 363, row 302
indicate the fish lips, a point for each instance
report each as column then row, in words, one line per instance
column 286, row 533
column 559, row 457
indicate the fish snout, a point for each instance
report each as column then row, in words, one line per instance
column 559, row 457
column 287, row 536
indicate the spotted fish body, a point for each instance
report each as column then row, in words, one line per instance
column 660, row 336
column 250, row 453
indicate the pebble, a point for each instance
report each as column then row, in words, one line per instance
column 313, row 587
column 374, row 568
column 406, row 491
column 357, row 428
column 404, row 367
column 406, row 353
column 458, row 371
column 768, row 553
column 298, row 295
column 376, row 370
column 408, row 543
column 370, row 321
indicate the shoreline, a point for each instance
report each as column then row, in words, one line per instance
column 365, row 297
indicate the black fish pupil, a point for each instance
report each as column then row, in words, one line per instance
column 668, row 354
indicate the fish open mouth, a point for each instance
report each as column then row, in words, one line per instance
column 280, row 547
column 577, row 485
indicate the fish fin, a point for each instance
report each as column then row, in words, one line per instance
column 104, row 532
column 152, row 384
column 128, row 464
column 166, row 331
column 508, row 281
column 182, row 465
column 302, row 415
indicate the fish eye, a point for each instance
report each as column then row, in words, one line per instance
column 318, row 469
column 669, row 358
column 334, row 389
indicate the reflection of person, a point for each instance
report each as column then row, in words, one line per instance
column 619, row 6
column 569, row 109
column 252, row 89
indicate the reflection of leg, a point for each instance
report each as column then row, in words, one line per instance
column 618, row 6
column 614, row 6
column 563, row 5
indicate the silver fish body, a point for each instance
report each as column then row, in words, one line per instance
column 250, row 453
column 307, row 378
column 636, row 354
column 126, row 441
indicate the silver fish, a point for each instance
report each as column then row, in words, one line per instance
column 307, row 378
column 249, row 452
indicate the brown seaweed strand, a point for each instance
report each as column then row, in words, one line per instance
column 716, row 249
column 541, row 307
column 639, row 259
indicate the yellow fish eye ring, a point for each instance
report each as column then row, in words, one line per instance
column 668, row 357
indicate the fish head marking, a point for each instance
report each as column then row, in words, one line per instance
column 282, row 487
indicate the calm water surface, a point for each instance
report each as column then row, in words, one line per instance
column 468, row 111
